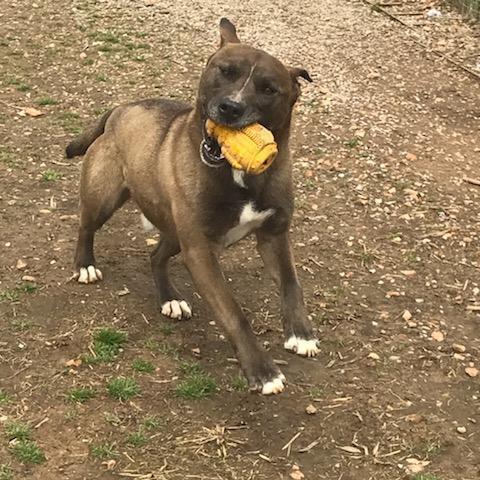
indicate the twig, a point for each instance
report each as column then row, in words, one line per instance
column 473, row 181
column 310, row 446
column 288, row 445
column 449, row 59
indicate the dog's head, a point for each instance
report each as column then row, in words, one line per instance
column 242, row 85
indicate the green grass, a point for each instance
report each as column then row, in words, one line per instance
column 5, row 472
column 352, row 142
column 239, row 383
column 27, row 451
column 17, row 430
column 196, row 384
column 164, row 348
column 143, row 366
column 44, row 101
column 8, row 159
column 21, row 325
column 102, row 451
column 4, row 397
column 136, row 439
column 81, row 394
column 316, row 392
column 151, row 422
column 70, row 122
column 23, row 87
column 122, row 388
column 107, row 343
column 51, row 175
column 425, row 476
column 167, row 328
column 13, row 294
column 107, row 37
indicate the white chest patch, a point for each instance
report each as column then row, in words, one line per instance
column 249, row 220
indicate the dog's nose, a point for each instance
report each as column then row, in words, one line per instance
column 230, row 109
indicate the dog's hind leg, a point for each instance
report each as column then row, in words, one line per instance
column 102, row 191
column 169, row 299
column 277, row 257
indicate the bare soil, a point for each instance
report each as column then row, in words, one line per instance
column 386, row 236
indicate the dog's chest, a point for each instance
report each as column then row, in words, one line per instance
column 250, row 219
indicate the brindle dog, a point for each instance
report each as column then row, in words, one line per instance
column 157, row 153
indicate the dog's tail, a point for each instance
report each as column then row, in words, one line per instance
column 80, row 145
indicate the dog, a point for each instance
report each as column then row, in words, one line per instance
column 157, row 153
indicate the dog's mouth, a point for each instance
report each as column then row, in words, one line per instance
column 210, row 152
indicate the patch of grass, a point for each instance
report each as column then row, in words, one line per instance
column 51, row 175
column 239, row 383
column 8, row 159
column 70, row 121
column 44, row 101
column 101, row 77
column 107, row 343
column 122, row 388
column 425, row 476
column 143, row 366
column 196, row 384
column 151, row 422
column 112, row 419
column 6, row 472
column 163, row 348
column 81, row 394
column 4, row 397
column 166, row 328
column 21, row 325
column 13, row 294
column 102, row 451
column 352, row 142
column 316, row 392
column 27, row 451
column 17, row 430
column 23, row 87
column 136, row 439
column 107, row 37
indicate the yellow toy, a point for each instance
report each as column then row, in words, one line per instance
column 252, row 148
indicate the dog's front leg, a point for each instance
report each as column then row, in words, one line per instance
column 262, row 374
column 277, row 256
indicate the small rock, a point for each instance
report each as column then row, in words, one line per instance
column 461, row 430
column 471, row 371
column 21, row 264
column 151, row 241
column 414, row 418
column 123, row 292
column 438, row 336
column 457, row 347
column 374, row 356
column 407, row 315
column 458, row 356
column 28, row 278
column 311, row 409
column 296, row 473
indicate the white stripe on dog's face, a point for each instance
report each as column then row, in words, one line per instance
column 238, row 97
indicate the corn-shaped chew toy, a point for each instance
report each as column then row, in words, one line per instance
column 252, row 148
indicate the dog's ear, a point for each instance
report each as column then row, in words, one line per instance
column 295, row 73
column 228, row 32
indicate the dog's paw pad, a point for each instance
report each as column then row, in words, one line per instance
column 277, row 385
column 89, row 274
column 305, row 348
column 177, row 309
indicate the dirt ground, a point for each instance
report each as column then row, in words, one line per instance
column 386, row 236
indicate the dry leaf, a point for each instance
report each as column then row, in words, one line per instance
column 438, row 336
column 471, row 371
column 414, row 418
column 32, row 112
column 374, row 356
column 74, row 362
column 411, row 157
column 123, row 292
column 311, row 409
column 416, row 466
column 28, row 278
column 296, row 473
column 350, row 449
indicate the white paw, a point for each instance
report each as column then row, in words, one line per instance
column 89, row 274
column 277, row 385
column 306, row 348
column 177, row 309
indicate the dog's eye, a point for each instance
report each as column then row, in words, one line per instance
column 228, row 71
column 269, row 90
